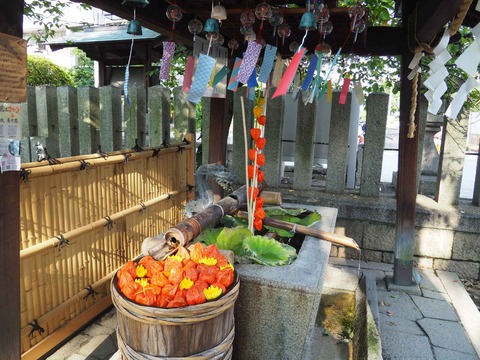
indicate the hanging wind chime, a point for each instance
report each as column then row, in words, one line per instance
column 134, row 28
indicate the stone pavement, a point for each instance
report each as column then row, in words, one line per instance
column 438, row 322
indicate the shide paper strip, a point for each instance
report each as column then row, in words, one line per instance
column 460, row 98
column 289, row 74
column 310, row 72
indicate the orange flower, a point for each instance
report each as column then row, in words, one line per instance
column 262, row 120
column 260, row 143
column 255, row 133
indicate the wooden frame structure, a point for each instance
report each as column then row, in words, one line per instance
column 430, row 17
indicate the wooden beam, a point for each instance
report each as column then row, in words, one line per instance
column 11, row 23
column 407, row 173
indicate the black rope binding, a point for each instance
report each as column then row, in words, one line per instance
column 84, row 165
column 165, row 144
column 190, row 188
column 62, row 242
column 51, row 160
column 180, row 149
column 109, row 223
column 127, row 157
column 91, row 292
column 156, row 152
column 137, row 147
column 35, row 327
column 186, row 141
column 100, row 152
column 144, row 207
column 24, row 173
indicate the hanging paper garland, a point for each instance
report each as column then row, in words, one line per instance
column 202, row 76
column 249, row 61
column 233, row 84
column 289, row 74
column 267, row 64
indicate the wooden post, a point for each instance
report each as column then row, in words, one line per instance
column 11, row 22
column 407, row 174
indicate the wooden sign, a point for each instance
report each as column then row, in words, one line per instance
column 13, row 69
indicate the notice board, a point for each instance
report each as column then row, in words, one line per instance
column 13, row 69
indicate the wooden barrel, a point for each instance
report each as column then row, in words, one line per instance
column 203, row 331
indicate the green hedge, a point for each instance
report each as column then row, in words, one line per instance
column 41, row 71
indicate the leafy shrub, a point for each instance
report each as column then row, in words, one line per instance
column 41, row 71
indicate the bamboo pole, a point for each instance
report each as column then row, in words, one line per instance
column 53, row 242
column 77, row 298
column 88, row 157
column 301, row 229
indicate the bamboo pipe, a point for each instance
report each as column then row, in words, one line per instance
column 189, row 229
column 272, row 197
column 52, row 242
column 301, row 229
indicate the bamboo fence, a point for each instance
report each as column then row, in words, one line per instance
column 83, row 219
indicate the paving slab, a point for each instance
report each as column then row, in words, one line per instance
column 395, row 323
column 401, row 305
column 437, row 309
column 430, row 281
column 401, row 346
column 363, row 264
column 440, row 333
column 447, row 354
column 436, row 295
column 465, row 307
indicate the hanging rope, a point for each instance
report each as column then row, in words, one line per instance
column 413, row 108
column 457, row 22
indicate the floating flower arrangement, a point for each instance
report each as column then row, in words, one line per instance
column 189, row 277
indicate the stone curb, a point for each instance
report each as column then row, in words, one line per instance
column 464, row 306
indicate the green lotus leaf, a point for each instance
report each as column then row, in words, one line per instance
column 274, row 211
column 209, row 236
column 232, row 221
column 269, row 252
column 306, row 221
column 232, row 239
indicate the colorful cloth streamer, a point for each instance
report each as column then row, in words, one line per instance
column 359, row 93
column 233, row 84
column 252, row 80
column 202, row 76
column 329, row 91
column 267, row 64
column 289, row 74
column 125, row 85
column 168, row 51
column 187, row 76
column 310, row 72
column 249, row 61
column 220, row 75
column 343, row 94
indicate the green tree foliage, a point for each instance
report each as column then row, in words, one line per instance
column 48, row 14
column 82, row 74
column 41, row 71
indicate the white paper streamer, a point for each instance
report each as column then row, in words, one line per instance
column 459, row 99
column 468, row 61
column 438, row 72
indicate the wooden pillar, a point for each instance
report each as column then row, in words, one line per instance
column 407, row 173
column 11, row 23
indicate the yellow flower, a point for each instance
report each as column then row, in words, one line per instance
column 176, row 257
column 227, row 266
column 186, row 284
column 143, row 282
column 140, row 271
column 208, row 261
column 257, row 111
column 212, row 292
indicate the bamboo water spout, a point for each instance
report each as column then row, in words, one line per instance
column 189, row 229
